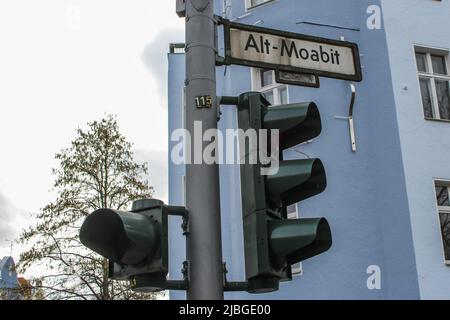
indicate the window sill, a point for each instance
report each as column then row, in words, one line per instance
column 438, row 120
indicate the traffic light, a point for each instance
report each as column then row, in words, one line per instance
column 135, row 242
column 272, row 243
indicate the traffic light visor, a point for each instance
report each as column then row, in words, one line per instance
column 300, row 239
column 297, row 122
column 124, row 237
column 296, row 180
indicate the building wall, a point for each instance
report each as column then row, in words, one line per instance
column 9, row 285
column 365, row 201
column 425, row 144
column 177, row 248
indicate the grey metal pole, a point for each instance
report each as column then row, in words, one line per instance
column 204, row 248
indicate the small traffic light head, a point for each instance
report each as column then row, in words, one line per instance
column 127, row 238
column 292, row 241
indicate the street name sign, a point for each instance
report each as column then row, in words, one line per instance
column 274, row 49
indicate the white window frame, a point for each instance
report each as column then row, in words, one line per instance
column 297, row 269
column 293, row 215
column 441, row 209
column 274, row 87
column 429, row 51
column 249, row 6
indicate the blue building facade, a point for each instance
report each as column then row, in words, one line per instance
column 387, row 203
column 9, row 285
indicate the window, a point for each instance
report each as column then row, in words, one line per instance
column 264, row 81
column 442, row 192
column 266, row 77
column 292, row 213
column 255, row 3
column 11, row 271
column 434, row 80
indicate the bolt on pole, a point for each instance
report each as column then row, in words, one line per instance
column 204, row 248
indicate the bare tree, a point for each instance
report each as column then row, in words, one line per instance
column 96, row 171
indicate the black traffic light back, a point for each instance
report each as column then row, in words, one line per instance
column 126, row 238
column 135, row 242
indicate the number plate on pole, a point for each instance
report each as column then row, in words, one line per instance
column 203, row 101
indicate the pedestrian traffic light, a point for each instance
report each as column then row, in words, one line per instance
column 272, row 243
column 135, row 242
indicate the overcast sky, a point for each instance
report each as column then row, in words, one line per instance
column 65, row 63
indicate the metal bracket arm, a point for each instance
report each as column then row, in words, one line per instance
column 233, row 285
column 179, row 284
column 350, row 118
column 181, row 211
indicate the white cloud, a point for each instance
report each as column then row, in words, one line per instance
column 153, row 53
column 157, row 171
column 7, row 216
column 12, row 221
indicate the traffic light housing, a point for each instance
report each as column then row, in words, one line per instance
column 135, row 242
column 272, row 243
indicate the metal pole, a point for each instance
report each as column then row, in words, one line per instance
column 204, row 249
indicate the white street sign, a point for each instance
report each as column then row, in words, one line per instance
column 273, row 49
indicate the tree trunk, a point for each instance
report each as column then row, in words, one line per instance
column 106, row 295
